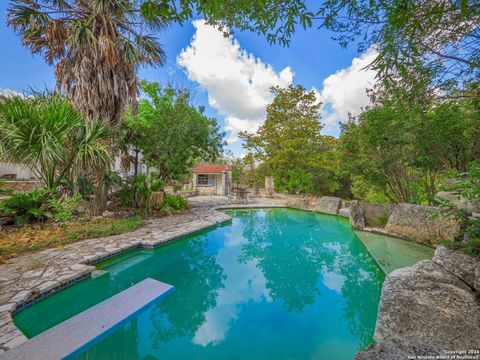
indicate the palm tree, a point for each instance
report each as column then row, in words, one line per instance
column 46, row 133
column 95, row 45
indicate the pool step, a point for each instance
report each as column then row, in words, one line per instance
column 74, row 335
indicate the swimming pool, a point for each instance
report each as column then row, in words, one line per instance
column 273, row 283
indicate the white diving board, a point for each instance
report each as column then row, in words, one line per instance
column 72, row 336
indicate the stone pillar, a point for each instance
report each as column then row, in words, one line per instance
column 228, row 183
column 357, row 214
column 224, row 184
column 194, row 182
column 269, row 186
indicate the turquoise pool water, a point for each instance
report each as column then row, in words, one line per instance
column 273, row 284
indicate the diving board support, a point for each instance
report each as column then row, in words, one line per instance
column 72, row 336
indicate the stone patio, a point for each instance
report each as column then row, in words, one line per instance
column 30, row 278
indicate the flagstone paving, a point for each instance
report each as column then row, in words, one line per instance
column 29, row 278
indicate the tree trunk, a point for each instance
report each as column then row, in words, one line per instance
column 136, row 162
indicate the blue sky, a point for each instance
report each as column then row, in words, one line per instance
column 313, row 59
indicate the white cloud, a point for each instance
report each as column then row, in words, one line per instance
column 345, row 91
column 244, row 283
column 237, row 83
column 10, row 93
column 333, row 281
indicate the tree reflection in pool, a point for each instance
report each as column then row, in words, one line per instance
column 273, row 284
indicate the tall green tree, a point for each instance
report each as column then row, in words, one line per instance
column 289, row 143
column 404, row 147
column 96, row 47
column 171, row 133
column 440, row 37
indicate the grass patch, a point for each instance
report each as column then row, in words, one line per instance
column 28, row 239
column 34, row 264
column 377, row 221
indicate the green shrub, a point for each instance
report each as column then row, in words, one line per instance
column 110, row 180
column 156, row 184
column 167, row 210
column 470, row 188
column 84, row 186
column 380, row 220
column 124, row 196
column 26, row 206
column 367, row 192
column 172, row 204
column 137, row 192
column 61, row 210
column 39, row 205
column 472, row 247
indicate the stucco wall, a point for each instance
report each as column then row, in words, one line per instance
column 21, row 171
column 218, row 184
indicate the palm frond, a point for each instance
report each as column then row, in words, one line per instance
column 96, row 47
column 46, row 133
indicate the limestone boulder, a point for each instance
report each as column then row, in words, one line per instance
column 327, row 204
column 296, row 203
column 426, row 304
column 464, row 266
column 424, row 224
column 357, row 215
column 383, row 350
column 386, row 350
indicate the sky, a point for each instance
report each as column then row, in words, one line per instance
column 231, row 77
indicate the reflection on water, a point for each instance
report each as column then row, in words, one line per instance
column 275, row 284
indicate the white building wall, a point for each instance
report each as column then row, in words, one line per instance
column 142, row 168
column 22, row 172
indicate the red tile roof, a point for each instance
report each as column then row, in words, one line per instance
column 211, row 168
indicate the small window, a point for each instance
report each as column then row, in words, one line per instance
column 202, row 179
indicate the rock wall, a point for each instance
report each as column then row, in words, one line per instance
column 296, row 202
column 428, row 308
column 424, row 224
column 23, row 185
column 327, row 204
